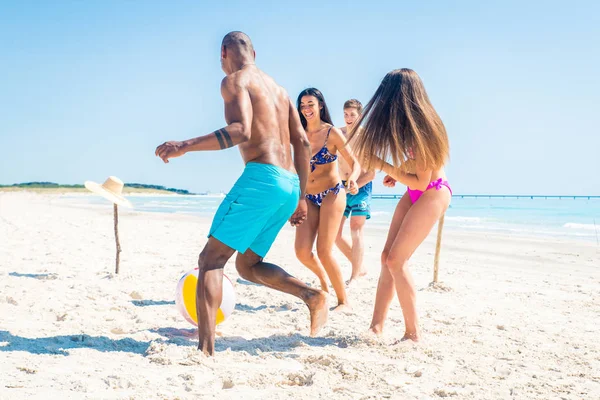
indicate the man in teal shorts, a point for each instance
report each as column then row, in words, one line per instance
column 262, row 122
column 358, row 206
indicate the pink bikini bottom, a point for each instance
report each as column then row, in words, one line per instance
column 415, row 194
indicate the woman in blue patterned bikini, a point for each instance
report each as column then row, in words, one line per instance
column 326, row 196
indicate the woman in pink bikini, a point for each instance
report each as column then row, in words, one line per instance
column 400, row 124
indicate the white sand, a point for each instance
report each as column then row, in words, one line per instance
column 520, row 318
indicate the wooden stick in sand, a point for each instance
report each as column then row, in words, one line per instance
column 112, row 190
column 438, row 247
column 118, row 258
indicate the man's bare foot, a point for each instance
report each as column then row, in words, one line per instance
column 206, row 347
column 355, row 277
column 317, row 305
column 342, row 307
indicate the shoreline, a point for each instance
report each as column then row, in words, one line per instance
column 379, row 226
column 377, row 196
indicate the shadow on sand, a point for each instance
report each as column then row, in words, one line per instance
column 146, row 303
column 41, row 277
column 60, row 344
column 274, row 343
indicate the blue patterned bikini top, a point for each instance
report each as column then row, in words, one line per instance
column 323, row 156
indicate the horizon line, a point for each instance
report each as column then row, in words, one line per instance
column 550, row 196
column 374, row 195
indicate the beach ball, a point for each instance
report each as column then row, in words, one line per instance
column 185, row 298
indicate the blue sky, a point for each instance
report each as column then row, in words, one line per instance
column 89, row 89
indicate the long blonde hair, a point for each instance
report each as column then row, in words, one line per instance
column 399, row 123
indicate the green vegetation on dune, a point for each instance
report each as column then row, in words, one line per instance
column 42, row 185
column 129, row 187
column 156, row 187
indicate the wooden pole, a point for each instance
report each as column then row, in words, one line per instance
column 118, row 258
column 438, row 247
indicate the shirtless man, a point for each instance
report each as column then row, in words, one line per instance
column 262, row 122
column 357, row 205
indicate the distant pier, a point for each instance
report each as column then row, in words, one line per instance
column 495, row 196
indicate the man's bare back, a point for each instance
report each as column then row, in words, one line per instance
column 269, row 141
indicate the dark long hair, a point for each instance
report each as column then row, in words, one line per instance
column 323, row 112
column 399, row 123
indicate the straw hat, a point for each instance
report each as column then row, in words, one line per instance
column 111, row 189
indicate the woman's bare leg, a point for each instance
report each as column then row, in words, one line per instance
column 385, row 287
column 305, row 239
column 330, row 216
column 417, row 224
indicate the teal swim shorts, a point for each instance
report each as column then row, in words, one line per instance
column 359, row 204
column 256, row 208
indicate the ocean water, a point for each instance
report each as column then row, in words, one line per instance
column 565, row 218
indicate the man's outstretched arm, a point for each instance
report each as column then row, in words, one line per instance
column 302, row 151
column 301, row 146
column 238, row 115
